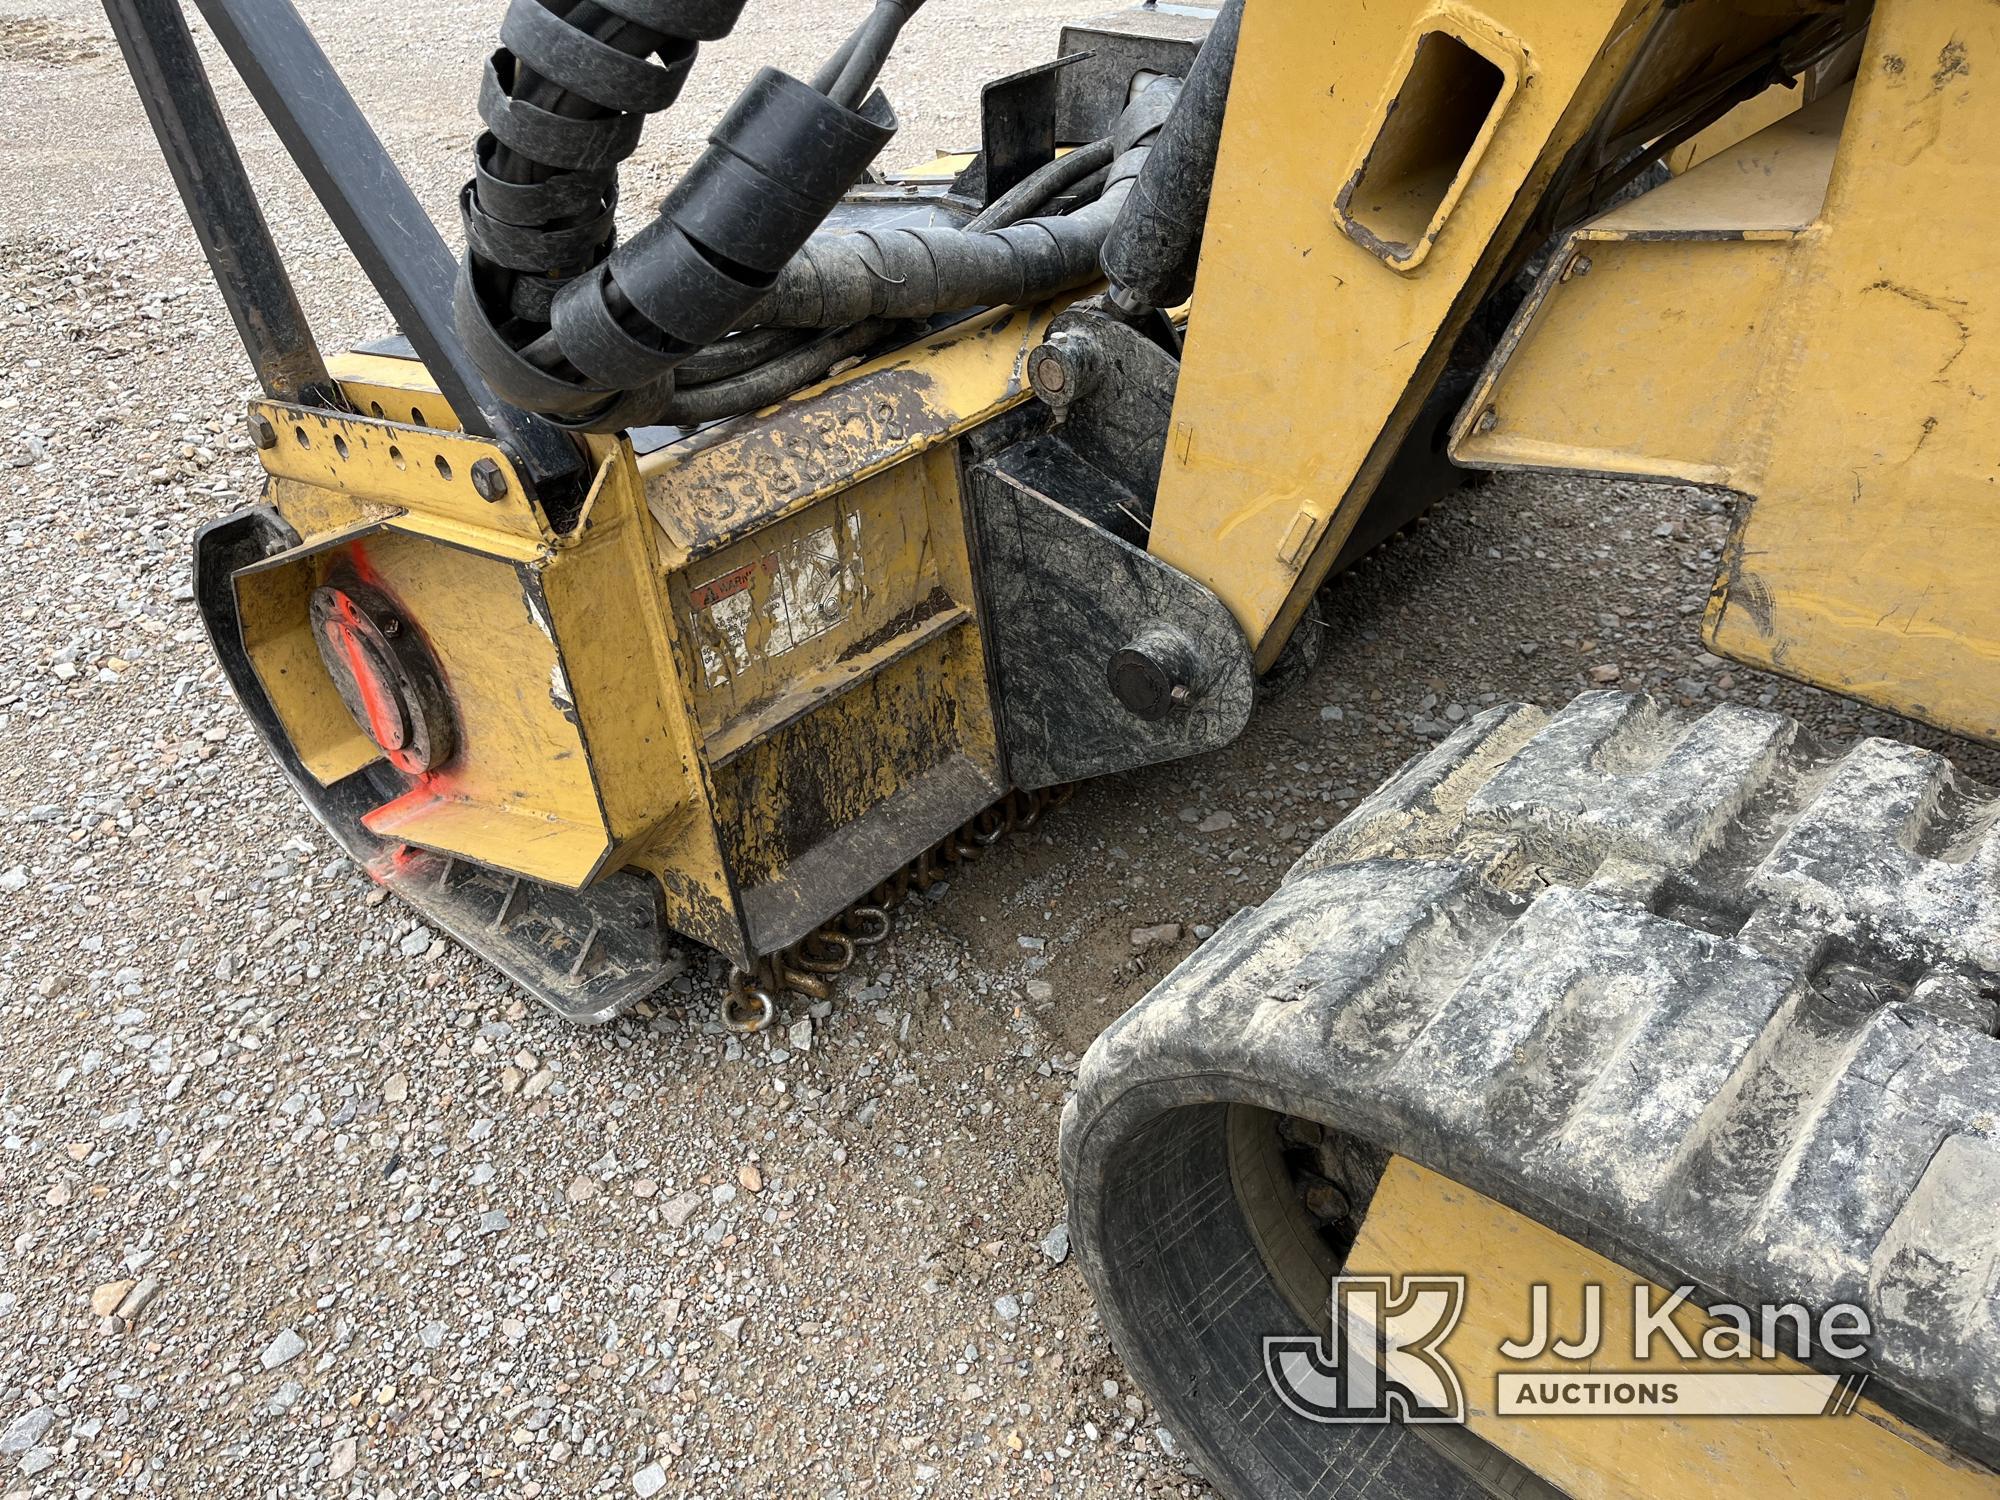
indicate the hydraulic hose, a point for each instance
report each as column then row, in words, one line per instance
column 558, row 319
column 851, row 276
column 862, row 56
column 1038, row 187
column 734, row 356
column 770, row 381
column 601, row 336
column 1151, row 252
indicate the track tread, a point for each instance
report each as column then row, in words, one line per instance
column 1703, row 994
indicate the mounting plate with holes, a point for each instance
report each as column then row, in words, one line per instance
column 448, row 475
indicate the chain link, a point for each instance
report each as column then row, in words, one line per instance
column 749, row 1006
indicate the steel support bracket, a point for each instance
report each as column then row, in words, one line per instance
column 1082, row 625
column 355, row 180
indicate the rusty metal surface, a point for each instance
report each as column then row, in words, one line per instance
column 711, row 489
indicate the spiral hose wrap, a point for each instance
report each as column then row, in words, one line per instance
column 565, row 321
column 560, row 318
column 912, row 273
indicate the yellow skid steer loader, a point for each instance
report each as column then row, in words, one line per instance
column 1610, row 1105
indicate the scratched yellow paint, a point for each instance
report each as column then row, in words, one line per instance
column 817, row 736
column 392, row 389
column 607, row 620
column 520, row 753
column 1420, row 1221
column 752, row 471
column 427, row 473
column 789, row 600
column 1870, row 561
column 1808, row 318
column 595, row 733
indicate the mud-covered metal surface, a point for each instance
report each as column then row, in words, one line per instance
column 1699, row 995
column 1112, row 393
column 824, row 807
column 1061, row 598
column 711, row 489
column 854, row 858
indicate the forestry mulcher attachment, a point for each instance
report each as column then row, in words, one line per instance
column 724, row 580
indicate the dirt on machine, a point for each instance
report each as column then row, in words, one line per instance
column 1610, row 1105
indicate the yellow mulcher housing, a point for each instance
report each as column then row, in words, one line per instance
column 576, row 694
column 751, row 670
column 719, row 582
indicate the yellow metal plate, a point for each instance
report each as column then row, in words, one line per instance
column 417, row 468
column 1304, row 342
column 272, row 602
column 1870, row 561
column 1420, row 1221
column 1805, row 317
column 1596, row 373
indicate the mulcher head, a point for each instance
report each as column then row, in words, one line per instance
column 759, row 671
column 570, row 695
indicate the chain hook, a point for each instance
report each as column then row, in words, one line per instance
column 748, row 1007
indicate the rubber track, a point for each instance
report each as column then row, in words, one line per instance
column 1702, row 996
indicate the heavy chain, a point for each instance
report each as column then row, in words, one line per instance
column 810, row 965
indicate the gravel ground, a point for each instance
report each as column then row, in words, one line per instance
column 293, row 1195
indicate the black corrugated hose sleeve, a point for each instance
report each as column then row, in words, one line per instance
column 560, row 319
column 849, row 276
column 1150, row 255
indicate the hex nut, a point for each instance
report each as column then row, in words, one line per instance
column 489, row 480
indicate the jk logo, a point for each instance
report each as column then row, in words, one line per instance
column 1382, row 1361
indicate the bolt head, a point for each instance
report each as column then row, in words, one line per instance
column 489, row 480
column 1145, row 685
column 262, row 433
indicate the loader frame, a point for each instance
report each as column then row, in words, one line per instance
column 727, row 682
